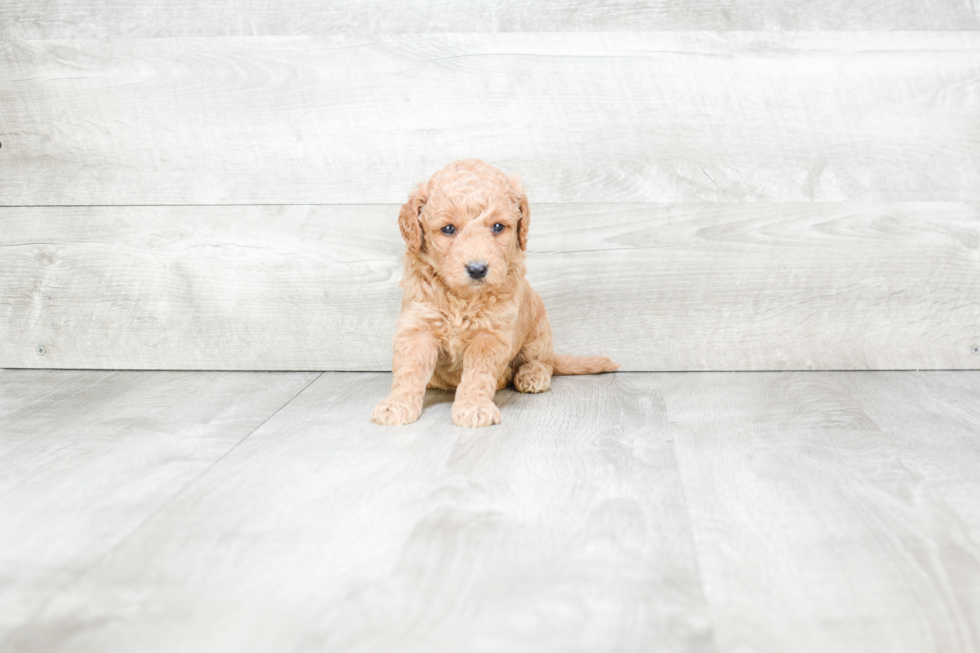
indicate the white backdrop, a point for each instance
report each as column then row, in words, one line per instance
column 763, row 186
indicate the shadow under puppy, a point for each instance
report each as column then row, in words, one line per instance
column 469, row 319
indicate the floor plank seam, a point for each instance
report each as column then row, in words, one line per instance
column 693, row 538
column 108, row 553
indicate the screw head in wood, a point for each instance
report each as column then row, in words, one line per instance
column 975, row 349
column 41, row 350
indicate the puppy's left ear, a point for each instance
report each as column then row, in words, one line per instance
column 519, row 197
column 408, row 219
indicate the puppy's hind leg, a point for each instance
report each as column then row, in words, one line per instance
column 505, row 378
column 533, row 376
column 534, row 372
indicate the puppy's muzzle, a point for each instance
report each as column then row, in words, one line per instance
column 477, row 270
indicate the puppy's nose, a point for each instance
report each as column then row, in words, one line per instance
column 476, row 270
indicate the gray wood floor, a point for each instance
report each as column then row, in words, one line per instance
column 233, row 511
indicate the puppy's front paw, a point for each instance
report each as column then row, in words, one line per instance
column 476, row 413
column 392, row 412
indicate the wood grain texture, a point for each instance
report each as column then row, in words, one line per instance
column 812, row 532
column 655, row 287
column 933, row 422
column 627, row 512
column 582, row 117
column 73, row 19
column 87, row 458
column 559, row 530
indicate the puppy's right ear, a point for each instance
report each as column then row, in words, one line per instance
column 408, row 219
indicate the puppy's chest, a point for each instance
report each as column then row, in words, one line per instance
column 455, row 328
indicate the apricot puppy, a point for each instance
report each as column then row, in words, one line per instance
column 469, row 319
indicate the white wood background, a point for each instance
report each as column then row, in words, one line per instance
column 654, row 286
column 57, row 19
column 635, row 117
column 737, row 198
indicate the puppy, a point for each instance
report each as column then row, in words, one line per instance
column 469, row 320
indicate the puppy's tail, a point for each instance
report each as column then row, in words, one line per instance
column 567, row 365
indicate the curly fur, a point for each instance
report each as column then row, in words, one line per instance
column 475, row 335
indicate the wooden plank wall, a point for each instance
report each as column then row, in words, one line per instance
column 768, row 186
column 61, row 19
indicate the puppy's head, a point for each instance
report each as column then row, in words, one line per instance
column 469, row 223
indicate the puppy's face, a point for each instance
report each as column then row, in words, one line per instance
column 470, row 242
column 472, row 225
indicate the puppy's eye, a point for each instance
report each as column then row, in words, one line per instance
column 497, row 228
column 449, row 230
